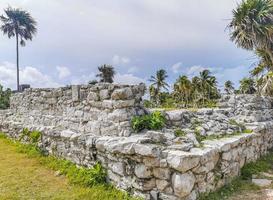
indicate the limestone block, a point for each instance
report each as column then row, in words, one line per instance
column 162, row 173
column 92, row 96
column 182, row 161
column 104, row 94
column 183, row 183
column 142, row 171
column 122, row 94
column 75, row 93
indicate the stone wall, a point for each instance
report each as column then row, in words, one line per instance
column 102, row 109
column 151, row 164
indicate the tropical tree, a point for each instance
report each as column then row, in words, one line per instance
column 247, row 86
column 252, row 25
column 207, row 84
column 19, row 24
column 159, row 82
column 183, row 89
column 106, row 73
column 153, row 93
column 229, row 88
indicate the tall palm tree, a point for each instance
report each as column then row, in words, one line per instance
column 159, row 82
column 252, row 25
column 107, row 73
column 183, row 89
column 247, row 86
column 19, row 24
column 229, row 88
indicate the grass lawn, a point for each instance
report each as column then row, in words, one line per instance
column 24, row 178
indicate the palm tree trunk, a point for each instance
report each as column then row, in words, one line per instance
column 17, row 58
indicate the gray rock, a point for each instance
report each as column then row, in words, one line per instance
column 262, row 182
column 183, row 184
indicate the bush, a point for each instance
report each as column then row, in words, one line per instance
column 179, row 133
column 154, row 121
column 32, row 137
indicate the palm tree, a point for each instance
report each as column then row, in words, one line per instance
column 19, row 24
column 229, row 88
column 107, row 73
column 153, row 93
column 252, row 25
column 159, row 82
column 247, row 86
column 183, row 89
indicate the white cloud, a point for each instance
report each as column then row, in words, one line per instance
column 132, row 70
column 120, row 60
column 129, row 79
column 28, row 75
column 64, row 72
column 194, row 70
column 83, row 79
column 176, row 67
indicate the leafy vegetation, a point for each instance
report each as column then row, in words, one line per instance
column 106, row 73
column 235, row 123
column 199, row 92
column 243, row 182
column 26, row 174
column 4, row 97
column 229, row 87
column 153, row 121
column 251, row 28
column 179, row 133
column 31, row 137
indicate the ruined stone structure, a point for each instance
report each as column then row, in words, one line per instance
column 86, row 124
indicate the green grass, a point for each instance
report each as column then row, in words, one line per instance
column 243, row 183
column 25, row 173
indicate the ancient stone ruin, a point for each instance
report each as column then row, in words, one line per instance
column 86, row 124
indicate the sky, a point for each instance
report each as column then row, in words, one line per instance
column 137, row 37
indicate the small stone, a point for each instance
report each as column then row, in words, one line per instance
column 262, row 182
column 57, row 173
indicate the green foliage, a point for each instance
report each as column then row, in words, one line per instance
column 198, row 136
column 179, row 133
column 247, row 86
column 106, row 73
column 235, row 123
column 4, row 98
column 77, row 175
column 247, row 131
column 92, row 82
column 153, row 121
column 264, row 164
column 32, row 137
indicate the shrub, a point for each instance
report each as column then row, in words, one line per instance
column 32, row 137
column 154, row 121
column 179, row 133
column 235, row 123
